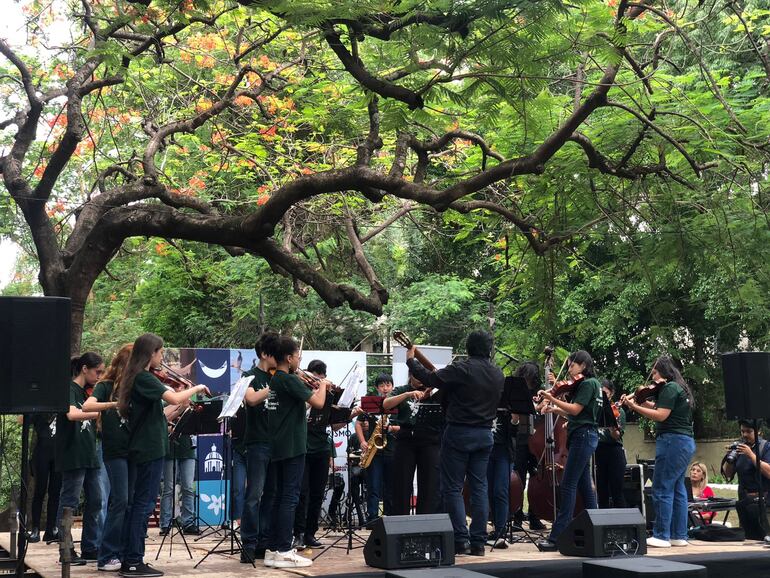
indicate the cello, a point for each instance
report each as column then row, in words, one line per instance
column 549, row 445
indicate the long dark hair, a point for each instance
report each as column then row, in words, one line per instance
column 144, row 348
column 117, row 366
column 582, row 356
column 88, row 359
column 530, row 372
column 668, row 371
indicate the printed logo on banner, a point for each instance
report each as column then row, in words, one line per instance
column 212, row 502
column 213, row 369
column 211, row 453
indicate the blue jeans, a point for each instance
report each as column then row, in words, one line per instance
column 252, row 522
column 673, row 453
column 239, row 484
column 185, row 473
column 499, row 480
column 146, row 487
column 288, row 482
column 113, row 538
column 104, row 483
column 577, row 478
column 73, row 482
column 465, row 452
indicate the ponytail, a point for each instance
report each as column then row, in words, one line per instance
column 89, row 360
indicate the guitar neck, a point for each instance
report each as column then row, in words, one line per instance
column 420, row 356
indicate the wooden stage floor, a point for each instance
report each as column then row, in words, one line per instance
column 44, row 558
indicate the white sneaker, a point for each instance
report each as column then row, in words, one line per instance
column 677, row 543
column 658, row 543
column 290, row 559
column 269, row 558
column 111, row 566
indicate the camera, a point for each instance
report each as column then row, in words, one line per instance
column 732, row 455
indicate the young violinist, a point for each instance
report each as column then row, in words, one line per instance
column 674, row 448
column 76, row 456
column 610, row 458
column 140, row 400
column 582, row 415
column 288, row 441
column 115, row 447
column 255, row 513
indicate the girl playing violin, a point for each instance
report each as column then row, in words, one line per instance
column 582, row 414
column 674, row 448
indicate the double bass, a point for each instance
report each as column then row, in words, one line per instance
column 549, row 445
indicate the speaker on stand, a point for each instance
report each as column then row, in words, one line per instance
column 34, row 374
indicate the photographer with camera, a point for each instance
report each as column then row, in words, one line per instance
column 742, row 460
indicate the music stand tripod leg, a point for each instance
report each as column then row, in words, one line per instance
column 176, row 527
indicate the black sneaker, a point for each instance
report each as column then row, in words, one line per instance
column 164, row 531
column 89, row 556
column 536, row 525
column 75, row 560
column 51, row 536
column 462, row 548
column 546, row 546
column 477, row 550
column 192, row 530
column 140, row 569
column 248, row 556
column 259, row 554
column 311, row 542
column 33, row 536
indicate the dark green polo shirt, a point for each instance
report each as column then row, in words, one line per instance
column 257, row 430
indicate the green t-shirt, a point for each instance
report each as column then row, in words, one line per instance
column 605, row 437
column 256, row 416
column 286, row 416
column 75, row 440
column 114, row 428
column 673, row 396
column 589, row 395
column 149, row 441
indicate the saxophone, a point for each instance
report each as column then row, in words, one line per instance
column 377, row 441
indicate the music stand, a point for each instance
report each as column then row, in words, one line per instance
column 341, row 415
column 195, row 420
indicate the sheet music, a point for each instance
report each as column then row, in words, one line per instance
column 237, row 393
column 351, row 392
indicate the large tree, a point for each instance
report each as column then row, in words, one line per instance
column 272, row 128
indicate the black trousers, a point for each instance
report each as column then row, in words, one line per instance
column 47, row 479
column 418, row 452
column 610, row 462
column 748, row 516
column 523, row 459
column 312, row 494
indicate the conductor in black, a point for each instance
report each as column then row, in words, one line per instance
column 473, row 388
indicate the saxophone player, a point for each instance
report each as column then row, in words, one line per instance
column 379, row 473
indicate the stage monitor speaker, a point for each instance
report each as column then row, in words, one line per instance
column 597, row 533
column 747, row 384
column 411, row 542
column 34, row 354
column 641, row 568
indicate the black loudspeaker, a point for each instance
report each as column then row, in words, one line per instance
column 747, row 384
column 641, row 567
column 597, row 533
column 34, row 354
column 411, row 542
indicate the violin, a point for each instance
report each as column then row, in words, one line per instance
column 563, row 388
column 645, row 392
column 169, row 377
